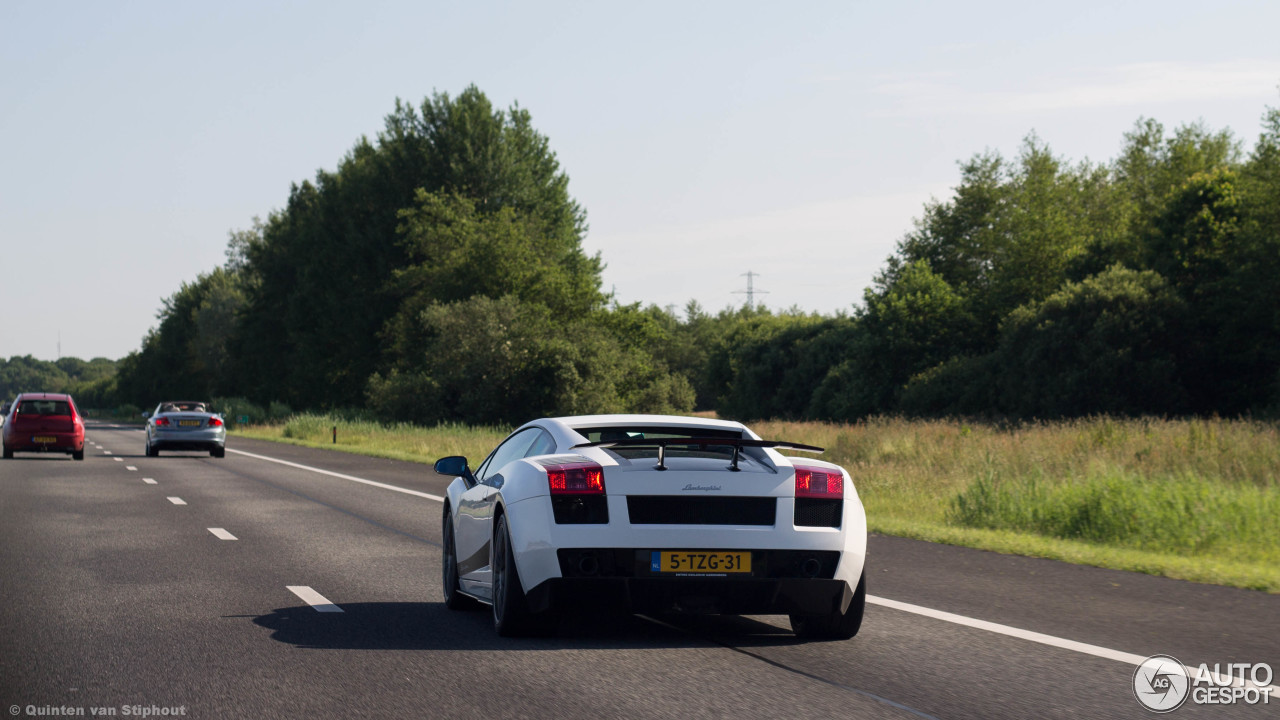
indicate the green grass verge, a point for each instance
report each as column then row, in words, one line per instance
column 1189, row 499
column 1217, row 571
column 397, row 442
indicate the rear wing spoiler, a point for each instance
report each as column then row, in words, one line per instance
column 736, row 443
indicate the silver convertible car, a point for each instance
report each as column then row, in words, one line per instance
column 185, row 425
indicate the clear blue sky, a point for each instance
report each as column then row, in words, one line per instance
column 797, row 140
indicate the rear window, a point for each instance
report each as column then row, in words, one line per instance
column 44, row 407
column 647, row 432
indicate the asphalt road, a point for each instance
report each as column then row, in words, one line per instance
column 116, row 596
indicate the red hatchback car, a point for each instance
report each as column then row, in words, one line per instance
column 44, row 422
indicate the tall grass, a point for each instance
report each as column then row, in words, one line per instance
column 1197, row 498
column 1186, row 515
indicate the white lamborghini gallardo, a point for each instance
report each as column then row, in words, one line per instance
column 653, row 514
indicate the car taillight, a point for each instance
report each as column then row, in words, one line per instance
column 819, row 482
column 162, row 421
column 577, row 493
column 215, row 422
column 576, row 479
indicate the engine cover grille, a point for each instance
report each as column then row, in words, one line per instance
column 819, row 512
column 679, row 510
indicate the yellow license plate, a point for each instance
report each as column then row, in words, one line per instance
column 700, row 563
column 189, row 423
column 44, row 439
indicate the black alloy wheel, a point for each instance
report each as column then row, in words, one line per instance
column 835, row 625
column 511, row 616
column 453, row 597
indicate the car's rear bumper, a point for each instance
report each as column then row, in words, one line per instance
column 63, row 442
column 745, row 596
column 539, row 546
column 189, row 440
column 186, row 444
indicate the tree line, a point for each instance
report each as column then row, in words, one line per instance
column 437, row 274
column 81, row 378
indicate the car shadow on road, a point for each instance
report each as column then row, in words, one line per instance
column 431, row 626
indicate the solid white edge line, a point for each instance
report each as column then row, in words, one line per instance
column 222, row 534
column 149, row 481
column 330, row 473
column 313, row 598
column 1052, row 641
column 177, row 501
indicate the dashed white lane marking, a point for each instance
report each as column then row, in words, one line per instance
column 1050, row 640
column 149, row 481
column 177, row 501
column 118, row 459
column 106, row 452
column 222, row 534
column 330, row 473
column 130, row 468
column 313, row 598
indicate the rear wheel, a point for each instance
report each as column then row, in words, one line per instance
column 77, row 455
column 218, row 452
column 150, row 451
column 8, row 454
column 453, row 597
column 511, row 616
column 836, row 625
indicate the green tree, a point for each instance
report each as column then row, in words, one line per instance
column 28, row 374
column 906, row 328
column 1152, row 165
column 321, row 288
column 1214, row 246
column 216, row 320
column 188, row 355
column 1012, row 232
column 776, row 362
column 457, row 252
column 502, row 361
column 87, row 381
column 1106, row 345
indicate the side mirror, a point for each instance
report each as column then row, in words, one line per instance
column 146, row 415
column 453, row 466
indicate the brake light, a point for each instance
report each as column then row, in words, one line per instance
column 818, row 482
column 585, row 478
column 162, row 421
column 215, row 422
